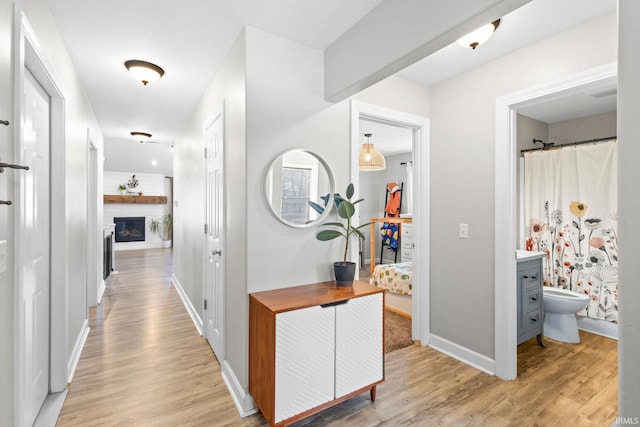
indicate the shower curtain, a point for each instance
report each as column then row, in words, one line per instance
column 570, row 204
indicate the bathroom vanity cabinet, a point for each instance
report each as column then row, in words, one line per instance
column 530, row 308
column 313, row 346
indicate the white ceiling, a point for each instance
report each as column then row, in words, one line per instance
column 190, row 38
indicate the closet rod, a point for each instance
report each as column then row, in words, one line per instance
column 589, row 141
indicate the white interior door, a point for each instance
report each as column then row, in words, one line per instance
column 214, row 274
column 35, row 246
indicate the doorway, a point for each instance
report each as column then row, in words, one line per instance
column 30, row 60
column 214, row 231
column 420, row 132
column 506, row 201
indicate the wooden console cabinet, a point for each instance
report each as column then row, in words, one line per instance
column 314, row 346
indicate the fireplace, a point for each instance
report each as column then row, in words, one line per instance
column 129, row 229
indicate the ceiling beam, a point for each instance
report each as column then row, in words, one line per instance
column 398, row 33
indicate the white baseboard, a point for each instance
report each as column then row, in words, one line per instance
column 195, row 317
column 51, row 408
column 72, row 364
column 598, row 327
column 244, row 402
column 463, row 354
column 101, row 290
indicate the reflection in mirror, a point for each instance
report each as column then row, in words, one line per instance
column 293, row 179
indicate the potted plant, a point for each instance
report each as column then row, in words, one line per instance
column 163, row 228
column 344, row 270
column 132, row 185
column 123, row 189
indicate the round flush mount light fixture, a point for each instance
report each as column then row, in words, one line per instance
column 479, row 36
column 144, row 71
column 141, row 136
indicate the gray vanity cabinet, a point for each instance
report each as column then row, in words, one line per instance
column 530, row 308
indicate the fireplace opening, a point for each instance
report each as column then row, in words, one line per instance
column 130, row 229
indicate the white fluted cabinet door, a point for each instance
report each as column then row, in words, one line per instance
column 359, row 352
column 305, row 348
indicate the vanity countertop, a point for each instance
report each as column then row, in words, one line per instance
column 529, row 255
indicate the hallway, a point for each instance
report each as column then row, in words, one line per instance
column 144, row 362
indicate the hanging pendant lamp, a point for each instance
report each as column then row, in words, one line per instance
column 369, row 159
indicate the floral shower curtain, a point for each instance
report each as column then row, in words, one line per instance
column 570, row 203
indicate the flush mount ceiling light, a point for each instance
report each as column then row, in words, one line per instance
column 369, row 159
column 144, row 71
column 141, row 136
column 479, row 36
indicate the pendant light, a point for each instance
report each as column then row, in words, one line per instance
column 479, row 36
column 369, row 158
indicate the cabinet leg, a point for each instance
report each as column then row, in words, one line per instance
column 372, row 392
column 540, row 339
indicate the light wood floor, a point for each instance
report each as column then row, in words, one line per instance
column 144, row 364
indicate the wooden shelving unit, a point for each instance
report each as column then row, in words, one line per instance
column 149, row 200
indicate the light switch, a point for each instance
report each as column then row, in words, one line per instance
column 3, row 256
column 463, row 231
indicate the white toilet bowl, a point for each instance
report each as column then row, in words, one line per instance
column 560, row 308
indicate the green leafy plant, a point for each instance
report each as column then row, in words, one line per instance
column 163, row 227
column 122, row 187
column 346, row 210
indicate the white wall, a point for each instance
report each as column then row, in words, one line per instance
column 462, row 161
column 629, row 205
column 228, row 85
column 583, row 129
column 149, row 185
column 79, row 117
column 284, row 109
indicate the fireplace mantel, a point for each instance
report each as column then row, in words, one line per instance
column 115, row 198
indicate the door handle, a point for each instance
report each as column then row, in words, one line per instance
column 216, row 252
column 7, row 165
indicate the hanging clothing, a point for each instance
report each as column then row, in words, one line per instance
column 392, row 209
column 389, row 233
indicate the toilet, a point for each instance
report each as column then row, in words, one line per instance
column 560, row 308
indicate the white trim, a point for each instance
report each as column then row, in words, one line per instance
column 51, row 409
column 77, row 349
column 101, row 289
column 598, row 327
column 28, row 53
column 463, row 354
column 421, row 216
column 195, row 317
column 94, row 232
column 505, row 204
column 244, row 402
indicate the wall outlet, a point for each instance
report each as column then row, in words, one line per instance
column 463, row 231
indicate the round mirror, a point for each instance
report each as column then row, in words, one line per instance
column 293, row 180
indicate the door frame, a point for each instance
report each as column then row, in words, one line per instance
column 420, row 302
column 29, row 54
column 218, row 114
column 505, row 295
column 95, row 283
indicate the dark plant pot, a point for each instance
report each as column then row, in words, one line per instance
column 344, row 272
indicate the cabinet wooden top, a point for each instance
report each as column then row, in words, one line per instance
column 297, row 297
